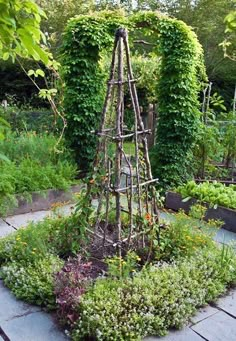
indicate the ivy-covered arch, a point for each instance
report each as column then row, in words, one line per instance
column 86, row 38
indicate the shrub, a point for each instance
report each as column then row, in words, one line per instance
column 60, row 236
column 30, row 119
column 29, row 258
column 33, row 282
column 183, row 236
column 155, row 299
column 70, row 283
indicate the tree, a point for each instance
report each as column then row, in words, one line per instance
column 20, row 34
column 58, row 12
column 227, row 44
column 207, row 19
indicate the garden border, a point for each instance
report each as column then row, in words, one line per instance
column 43, row 200
column 174, row 201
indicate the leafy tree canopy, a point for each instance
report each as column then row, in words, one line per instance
column 20, row 34
column 206, row 17
column 58, row 12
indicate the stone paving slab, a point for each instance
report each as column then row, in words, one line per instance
column 38, row 326
column 203, row 313
column 5, row 229
column 10, row 307
column 228, row 303
column 225, row 237
column 218, row 327
column 23, row 219
column 185, row 334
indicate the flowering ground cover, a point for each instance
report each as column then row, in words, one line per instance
column 52, row 265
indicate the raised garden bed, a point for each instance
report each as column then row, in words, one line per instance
column 225, row 182
column 175, row 202
column 44, row 200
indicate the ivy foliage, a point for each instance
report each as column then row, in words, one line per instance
column 87, row 37
column 181, row 72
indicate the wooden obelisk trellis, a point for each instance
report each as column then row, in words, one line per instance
column 139, row 190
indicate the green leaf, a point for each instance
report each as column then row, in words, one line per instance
column 40, row 72
column 30, row 73
column 4, row 122
column 6, row 56
column 4, row 158
column 186, row 199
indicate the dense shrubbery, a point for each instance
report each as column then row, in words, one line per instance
column 29, row 119
column 34, row 166
column 214, row 193
column 37, row 147
column 183, row 236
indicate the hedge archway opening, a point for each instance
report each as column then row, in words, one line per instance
column 180, row 75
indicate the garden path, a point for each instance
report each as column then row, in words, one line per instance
column 23, row 322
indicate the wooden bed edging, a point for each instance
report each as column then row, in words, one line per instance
column 174, row 201
column 44, row 200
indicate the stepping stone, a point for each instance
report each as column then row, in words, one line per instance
column 179, row 335
column 22, row 220
column 11, row 307
column 38, row 326
column 204, row 313
column 218, row 327
column 5, row 229
column 228, row 303
column 225, row 237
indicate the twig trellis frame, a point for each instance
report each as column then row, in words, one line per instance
column 140, row 184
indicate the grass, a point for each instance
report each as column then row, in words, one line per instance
column 129, row 148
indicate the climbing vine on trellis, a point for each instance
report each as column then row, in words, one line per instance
column 87, row 37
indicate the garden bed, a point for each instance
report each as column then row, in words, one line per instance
column 130, row 298
column 44, row 200
column 175, row 202
column 226, row 182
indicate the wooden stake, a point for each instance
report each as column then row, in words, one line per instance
column 119, row 143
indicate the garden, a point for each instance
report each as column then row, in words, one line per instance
column 119, row 99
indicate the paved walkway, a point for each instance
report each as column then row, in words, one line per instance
column 22, row 322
